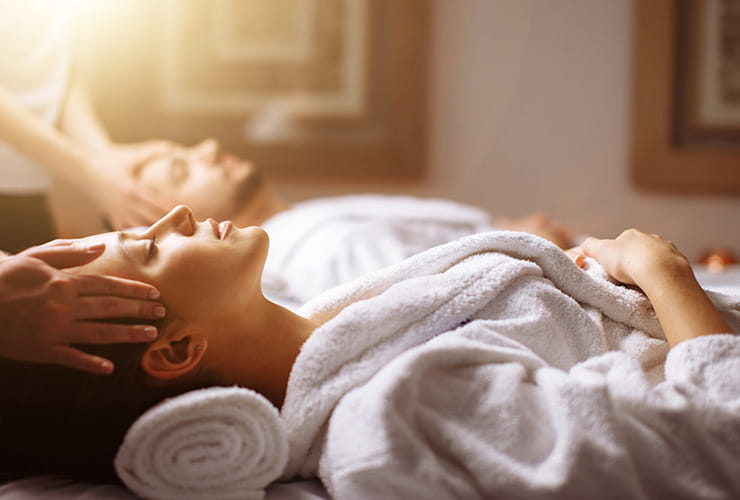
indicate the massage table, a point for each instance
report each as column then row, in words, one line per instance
column 61, row 488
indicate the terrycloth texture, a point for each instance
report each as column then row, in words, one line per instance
column 215, row 443
column 321, row 243
column 493, row 367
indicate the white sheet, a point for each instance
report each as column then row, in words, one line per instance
column 727, row 281
column 59, row 488
column 321, row 243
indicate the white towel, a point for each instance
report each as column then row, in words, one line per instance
column 320, row 243
column 215, row 443
column 433, row 292
column 483, row 368
column 591, row 287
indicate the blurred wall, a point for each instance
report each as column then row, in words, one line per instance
column 529, row 110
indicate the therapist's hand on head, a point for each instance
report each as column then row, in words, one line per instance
column 43, row 310
column 122, row 199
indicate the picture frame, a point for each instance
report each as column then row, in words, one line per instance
column 679, row 67
column 333, row 89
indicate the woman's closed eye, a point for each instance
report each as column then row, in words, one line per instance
column 143, row 250
column 178, row 170
column 151, row 249
column 136, row 248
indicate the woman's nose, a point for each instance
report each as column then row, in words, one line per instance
column 179, row 219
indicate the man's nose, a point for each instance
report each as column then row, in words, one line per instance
column 207, row 150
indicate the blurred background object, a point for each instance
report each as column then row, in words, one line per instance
column 686, row 123
column 528, row 107
column 718, row 259
column 297, row 86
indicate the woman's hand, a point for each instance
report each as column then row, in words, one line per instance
column 124, row 201
column 635, row 257
column 44, row 310
column 666, row 277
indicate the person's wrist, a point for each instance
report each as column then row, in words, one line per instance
column 658, row 269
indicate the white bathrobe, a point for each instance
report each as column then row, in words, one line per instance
column 492, row 367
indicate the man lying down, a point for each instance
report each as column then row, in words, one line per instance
column 489, row 367
column 319, row 243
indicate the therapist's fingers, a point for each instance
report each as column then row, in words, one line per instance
column 152, row 205
column 74, row 358
column 143, row 152
column 57, row 242
column 603, row 250
column 576, row 255
column 154, row 146
column 90, row 284
column 144, row 207
column 91, row 332
column 119, row 221
column 135, row 218
column 107, row 307
column 62, row 255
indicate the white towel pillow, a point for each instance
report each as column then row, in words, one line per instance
column 215, row 443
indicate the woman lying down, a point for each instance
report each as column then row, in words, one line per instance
column 490, row 367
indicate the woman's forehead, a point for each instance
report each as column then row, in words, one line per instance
column 113, row 259
column 107, row 238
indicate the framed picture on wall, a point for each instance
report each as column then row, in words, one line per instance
column 302, row 88
column 686, row 100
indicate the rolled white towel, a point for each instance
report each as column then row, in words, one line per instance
column 215, row 443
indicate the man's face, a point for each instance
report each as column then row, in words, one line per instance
column 210, row 182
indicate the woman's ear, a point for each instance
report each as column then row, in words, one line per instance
column 166, row 359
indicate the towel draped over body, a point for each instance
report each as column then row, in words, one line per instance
column 493, row 367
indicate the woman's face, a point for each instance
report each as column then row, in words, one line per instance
column 202, row 269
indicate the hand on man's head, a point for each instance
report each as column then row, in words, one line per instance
column 43, row 310
column 123, row 200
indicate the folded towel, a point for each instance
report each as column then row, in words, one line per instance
column 215, row 443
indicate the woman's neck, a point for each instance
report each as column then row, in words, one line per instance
column 262, row 354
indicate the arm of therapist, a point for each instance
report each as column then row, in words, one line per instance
column 105, row 175
column 43, row 311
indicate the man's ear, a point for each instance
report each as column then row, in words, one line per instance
column 166, row 359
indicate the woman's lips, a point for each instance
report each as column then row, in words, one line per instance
column 214, row 226
column 221, row 231
column 224, row 228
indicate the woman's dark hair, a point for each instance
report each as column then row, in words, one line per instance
column 63, row 421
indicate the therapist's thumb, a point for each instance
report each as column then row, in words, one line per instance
column 148, row 151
